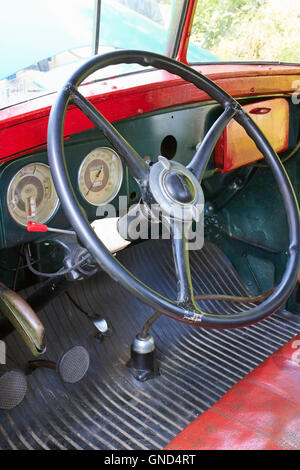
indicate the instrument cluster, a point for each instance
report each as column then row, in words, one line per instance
column 31, row 194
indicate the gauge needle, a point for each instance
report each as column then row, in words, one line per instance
column 30, row 206
column 27, row 207
column 96, row 177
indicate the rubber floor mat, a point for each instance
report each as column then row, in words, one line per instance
column 109, row 409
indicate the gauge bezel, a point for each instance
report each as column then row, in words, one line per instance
column 117, row 188
column 53, row 211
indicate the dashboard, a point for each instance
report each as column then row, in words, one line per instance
column 98, row 174
column 96, row 171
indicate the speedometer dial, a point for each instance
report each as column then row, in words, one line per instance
column 100, row 176
column 31, row 194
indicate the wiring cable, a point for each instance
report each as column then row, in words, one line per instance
column 61, row 272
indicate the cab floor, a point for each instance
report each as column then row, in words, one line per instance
column 109, row 409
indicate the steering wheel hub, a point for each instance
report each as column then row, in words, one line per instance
column 179, row 187
column 176, row 191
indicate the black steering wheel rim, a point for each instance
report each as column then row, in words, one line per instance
column 88, row 237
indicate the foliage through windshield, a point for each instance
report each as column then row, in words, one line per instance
column 248, row 30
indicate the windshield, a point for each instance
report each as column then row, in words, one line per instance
column 248, row 30
column 45, row 40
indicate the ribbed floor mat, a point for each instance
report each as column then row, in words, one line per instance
column 109, row 409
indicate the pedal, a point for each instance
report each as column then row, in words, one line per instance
column 13, row 388
column 71, row 366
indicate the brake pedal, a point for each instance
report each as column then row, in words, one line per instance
column 13, row 388
column 72, row 365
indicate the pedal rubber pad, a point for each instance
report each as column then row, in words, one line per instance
column 73, row 364
column 13, row 388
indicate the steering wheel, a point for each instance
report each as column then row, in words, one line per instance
column 164, row 181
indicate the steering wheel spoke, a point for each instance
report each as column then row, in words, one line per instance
column 202, row 156
column 185, row 294
column 133, row 160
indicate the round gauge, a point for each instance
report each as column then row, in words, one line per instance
column 100, row 176
column 31, row 194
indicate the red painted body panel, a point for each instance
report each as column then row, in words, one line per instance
column 23, row 127
column 260, row 412
column 186, row 32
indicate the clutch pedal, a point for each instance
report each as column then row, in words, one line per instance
column 13, row 388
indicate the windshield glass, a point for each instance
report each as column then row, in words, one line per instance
column 248, row 30
column 45, row 40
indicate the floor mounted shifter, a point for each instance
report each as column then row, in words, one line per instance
column 143, row 362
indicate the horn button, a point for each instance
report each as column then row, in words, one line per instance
column 176, row 190
column 179, row 187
